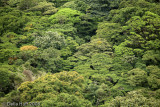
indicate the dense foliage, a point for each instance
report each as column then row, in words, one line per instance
column 80, row 53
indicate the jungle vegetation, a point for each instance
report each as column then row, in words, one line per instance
column 80, row 53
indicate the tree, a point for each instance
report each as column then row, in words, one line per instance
column 59, row 3
column 95, row 46
column 86, row 28
column 134, row 99
column 13, row 21
column 28, row 47
column 66, row 100
column 5, row 82
column 49, row 39
column 96, row 93
column 111, row 32
column 142, row 35
column 49, row 59
column 151, row 57
column 66, row 29
column 122, row 15
column 153, row 79
column 59, row 89
column 70, row 47
column 9, row 80
column 100, row 8
column 3, row 2
column 26, row 4
column 8, row 47
column 65, row 15
column 137, row 77
column 144, row 31
column 45, row 8
column 101, row 62
column 76, row 5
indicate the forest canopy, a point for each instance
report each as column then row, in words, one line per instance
column 80, row 53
